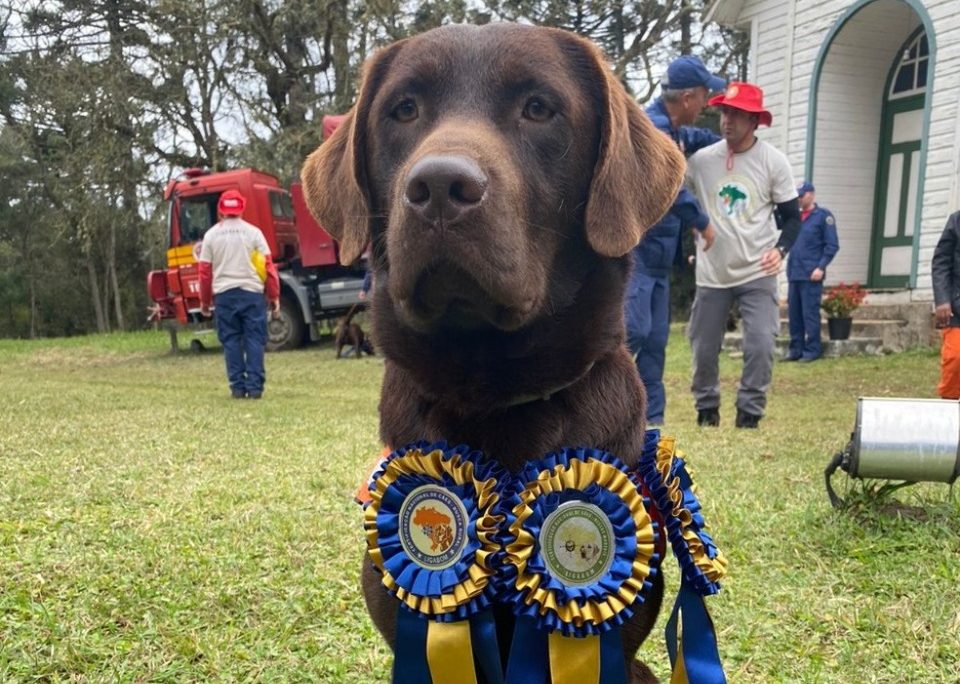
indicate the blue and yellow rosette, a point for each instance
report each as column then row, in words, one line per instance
column 580, row 553
column 694, row 655
column 433, row 531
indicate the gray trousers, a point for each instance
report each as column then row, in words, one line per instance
column 760, row 313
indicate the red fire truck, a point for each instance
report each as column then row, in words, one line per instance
column 314, row 286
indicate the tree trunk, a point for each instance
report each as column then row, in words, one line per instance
column 95, row 293
column 112, row 274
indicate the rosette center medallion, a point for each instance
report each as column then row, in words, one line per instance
column 577, row 543
column 433, row 527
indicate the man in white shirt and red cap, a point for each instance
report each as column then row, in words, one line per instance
column 236, row 271
column 747, row 188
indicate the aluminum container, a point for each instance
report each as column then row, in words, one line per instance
column 917, row 440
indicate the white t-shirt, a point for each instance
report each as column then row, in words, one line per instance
column 740, row 203
column 229, row 247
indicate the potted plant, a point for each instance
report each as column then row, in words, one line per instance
column 838, row 303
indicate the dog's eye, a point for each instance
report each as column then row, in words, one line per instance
column 406, row 111
column 537, row 110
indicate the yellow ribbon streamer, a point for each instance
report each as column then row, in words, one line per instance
column 679, row 675
column 573, row 660
column 450, row 653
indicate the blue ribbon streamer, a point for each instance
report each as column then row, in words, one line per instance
column 701, row 657
column 613, row 669
column 528, row 654
column 486, row 651
column 410, row 653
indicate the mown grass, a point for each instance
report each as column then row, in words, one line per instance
column 154, row 530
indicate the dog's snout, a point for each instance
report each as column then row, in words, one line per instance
column 445, row 188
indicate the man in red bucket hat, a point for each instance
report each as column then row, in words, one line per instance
column 747, row 188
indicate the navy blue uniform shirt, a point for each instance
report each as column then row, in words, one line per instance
column 658, row 249
column 816, row 244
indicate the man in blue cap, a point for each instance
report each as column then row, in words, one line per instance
column 686, row 87
column 815, row 247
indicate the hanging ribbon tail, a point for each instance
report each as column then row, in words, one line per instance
column 528, row 653
column 613, row 667
column 410, row 654
column 483, row 633
column 568, row 659
column 694, row 657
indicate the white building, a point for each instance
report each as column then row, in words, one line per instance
column 865, row 98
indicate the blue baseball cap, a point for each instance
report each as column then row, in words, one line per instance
column 689, row 72
column 804, row 188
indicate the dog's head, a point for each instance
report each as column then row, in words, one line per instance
column 474, row 157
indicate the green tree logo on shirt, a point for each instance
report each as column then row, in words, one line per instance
column 732, row 199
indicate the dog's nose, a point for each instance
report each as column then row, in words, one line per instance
column 445, row 188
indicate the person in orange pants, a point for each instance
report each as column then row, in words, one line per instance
column 945, row 269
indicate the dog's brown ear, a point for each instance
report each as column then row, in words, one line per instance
column 638, row 173
column 335, row 175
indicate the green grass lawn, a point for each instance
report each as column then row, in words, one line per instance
column 154, row 530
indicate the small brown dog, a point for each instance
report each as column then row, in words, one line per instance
column 503, row 175
column 348, row 332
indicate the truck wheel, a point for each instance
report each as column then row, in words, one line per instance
column 286, row 330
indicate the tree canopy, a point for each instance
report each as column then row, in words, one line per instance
column 102, row 101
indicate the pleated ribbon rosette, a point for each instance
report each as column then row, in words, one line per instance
column 433, row 532
column 690, row 634
column 580, row 552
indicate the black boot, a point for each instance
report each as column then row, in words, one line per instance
column 708, row 417
column 747, row 420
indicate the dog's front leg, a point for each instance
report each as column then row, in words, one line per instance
column 381, row 605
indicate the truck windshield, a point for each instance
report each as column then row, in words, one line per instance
column 196, row 215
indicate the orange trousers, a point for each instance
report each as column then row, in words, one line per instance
column 949, row 387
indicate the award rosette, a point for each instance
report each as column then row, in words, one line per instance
column 694, row 656
column 580, row 553
column 433, row 531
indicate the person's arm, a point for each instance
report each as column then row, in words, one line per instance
column 788, row 221
column 272, row 284
column 789, row 224
column 941, row 270
column 693, row 138
column 687, row 208
column 205, row 275
column 831, row 244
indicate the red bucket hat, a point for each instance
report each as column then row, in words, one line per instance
column 232, row 203
column 746, row 97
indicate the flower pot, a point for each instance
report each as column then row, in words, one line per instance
column 839, row 328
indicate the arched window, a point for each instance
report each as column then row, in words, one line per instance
column 911, row 75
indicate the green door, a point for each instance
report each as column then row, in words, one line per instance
column 898, row 168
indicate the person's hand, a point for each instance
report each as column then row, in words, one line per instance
column 274, row 308
column 770, row 261
column 943, row 313
column 709, row 235
column 205, row 310
column 362, row 295
column 817, row 275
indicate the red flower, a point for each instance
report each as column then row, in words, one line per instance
column 842, row 300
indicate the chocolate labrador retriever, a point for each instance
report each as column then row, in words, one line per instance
column 503, row 176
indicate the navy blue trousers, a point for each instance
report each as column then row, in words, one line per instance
column 241, row 318
column 803, row 299
column 647, row 313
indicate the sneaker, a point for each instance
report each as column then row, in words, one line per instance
column 747, row 420
column 238, row 394
column 254, row 395
column 708, row 417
